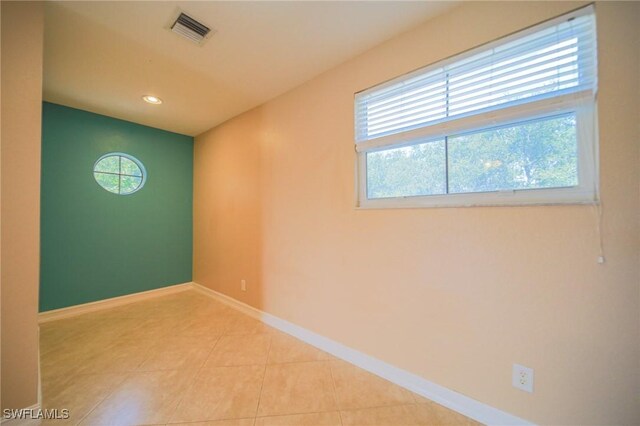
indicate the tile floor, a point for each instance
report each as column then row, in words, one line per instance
column 187, row 359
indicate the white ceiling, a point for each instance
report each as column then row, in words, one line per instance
column 103, row 56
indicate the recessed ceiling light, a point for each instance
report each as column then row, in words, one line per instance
column 152, row 99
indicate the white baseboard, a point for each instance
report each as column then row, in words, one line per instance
column 439, row 394
column 72, row 311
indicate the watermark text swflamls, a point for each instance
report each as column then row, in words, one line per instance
column 35, row 413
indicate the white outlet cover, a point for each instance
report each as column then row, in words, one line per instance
column 522, row 378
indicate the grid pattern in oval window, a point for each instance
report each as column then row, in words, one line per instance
column 119, row 173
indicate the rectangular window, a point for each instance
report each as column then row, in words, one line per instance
column 512, row 122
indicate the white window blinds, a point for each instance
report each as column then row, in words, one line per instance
column 552, row 60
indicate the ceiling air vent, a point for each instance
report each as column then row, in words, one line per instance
column 188, row 27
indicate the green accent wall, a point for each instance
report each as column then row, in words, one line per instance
column 96, row 244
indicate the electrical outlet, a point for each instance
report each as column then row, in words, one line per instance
column 522, row 378
column 243, row 285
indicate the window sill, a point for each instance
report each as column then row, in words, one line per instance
column 542, row 197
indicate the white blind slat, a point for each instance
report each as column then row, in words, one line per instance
column 553, row 59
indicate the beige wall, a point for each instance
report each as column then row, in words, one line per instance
column 456, row 295
column 22, row 32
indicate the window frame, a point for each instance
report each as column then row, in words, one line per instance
column 583, row 104
column 130, row 157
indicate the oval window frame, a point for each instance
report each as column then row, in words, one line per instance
column 130, row 157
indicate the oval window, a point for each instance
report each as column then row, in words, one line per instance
column 119, row 173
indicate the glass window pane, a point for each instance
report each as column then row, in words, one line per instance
column 408, row 171
column 108, row 164
column 107, row 181
column 128, row 167
column 535, row 154
column 129, row 184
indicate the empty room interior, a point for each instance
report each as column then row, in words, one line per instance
column 375, row 213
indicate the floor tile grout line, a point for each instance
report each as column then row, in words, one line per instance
column 255, row 364
column 204, row 367
column 207, row 421
column 217, row 338
column 108, row 394
column 300, row 413
column 128, row 375
column 65, row 339
column 335, row 392
column 111, row 391
column 373, row 407
column 264, row 376
column 193, row 380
